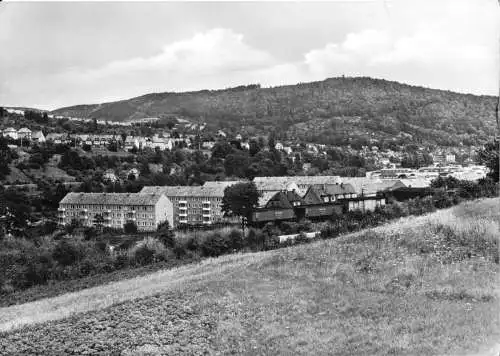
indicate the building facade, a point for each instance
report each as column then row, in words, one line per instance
column 193, row 205
column 114, row 210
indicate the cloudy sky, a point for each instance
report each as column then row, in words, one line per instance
column 60, row 54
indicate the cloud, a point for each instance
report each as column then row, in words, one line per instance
column 217, row 52
column 435, row 54
column 447, row 44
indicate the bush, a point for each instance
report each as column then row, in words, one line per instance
column 130, row 227
column 166, row 235
column 90, row 233
column 147, row 251
column 256, row 239
column 329, row 230
column 236, row 238
column 67, row 252
column 441, row 199
column 302, row 239
column 216, row 244
column 289, row 227
column 192, row 244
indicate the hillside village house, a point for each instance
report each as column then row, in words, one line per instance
column 110, row 176
column 24, row 133
column 10, row 132
column 114, row 210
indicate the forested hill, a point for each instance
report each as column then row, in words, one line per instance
column 338, row 107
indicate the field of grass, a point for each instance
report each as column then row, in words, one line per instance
column 423, row 285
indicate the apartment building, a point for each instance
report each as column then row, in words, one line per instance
column 114, row 210
column 198, row 205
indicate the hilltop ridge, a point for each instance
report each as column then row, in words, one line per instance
column 360, row 105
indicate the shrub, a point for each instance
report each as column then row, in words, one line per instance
column 289, row 228
column 90, row 233
column 271, row 242
column 166, row 235
column 67, row 252
column 256, row 239
column 216, row 244
column 147, row 251
column 130, row 227
column 442, row 199
column 329, row 230
column 236, row 238
column 301, row 239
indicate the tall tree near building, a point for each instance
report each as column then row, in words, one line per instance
column 240, row 200
column 489, row 157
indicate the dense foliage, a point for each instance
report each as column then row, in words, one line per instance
column 335, row 111
column 26, row 262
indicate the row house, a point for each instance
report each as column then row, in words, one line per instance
column 299, row 183
column 315, row 204
column 114, row 210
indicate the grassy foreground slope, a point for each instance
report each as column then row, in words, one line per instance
column 421, row 285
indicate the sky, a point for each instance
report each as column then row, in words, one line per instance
column 60, row 53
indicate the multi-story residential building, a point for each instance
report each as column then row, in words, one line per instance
column 24, row 133
column 114, row 210
column 10, row 132
column 196, row 205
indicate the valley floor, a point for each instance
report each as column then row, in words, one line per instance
column 421, row 285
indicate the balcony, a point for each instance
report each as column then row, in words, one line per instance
column 183, row 221
column 206, row 208
column 207, row 215
column 207, row 222
column 183, row 214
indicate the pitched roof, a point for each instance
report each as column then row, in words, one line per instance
column 265, row 197
column 416, row 182
column 185, row 191
column 222, row 184
column 299, row 180
column 342, row 188
column 54, row 135
column 279, row 200
column 37, row 134
column 111, row 198
column 312, row 196
column 367, row 185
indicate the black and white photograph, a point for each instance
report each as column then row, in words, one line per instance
column 250, row 177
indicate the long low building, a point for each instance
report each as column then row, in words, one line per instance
column 114, row 210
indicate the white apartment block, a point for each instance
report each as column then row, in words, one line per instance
column 114, row 210
column 193, row 205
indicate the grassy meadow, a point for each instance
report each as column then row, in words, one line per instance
column 424, row 285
